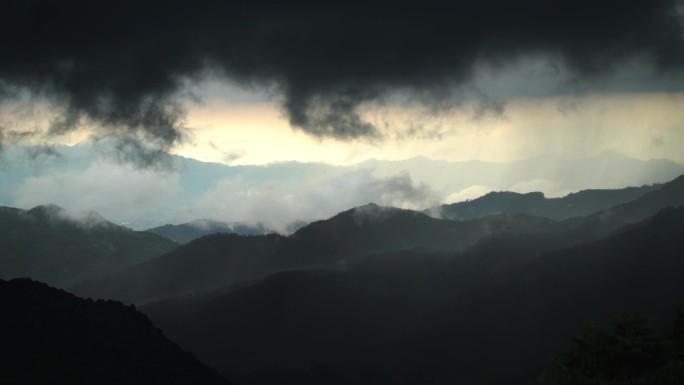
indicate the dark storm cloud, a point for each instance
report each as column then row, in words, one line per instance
column 122, row 64
column 138, row 152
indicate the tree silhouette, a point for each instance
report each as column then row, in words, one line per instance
column 630, row 354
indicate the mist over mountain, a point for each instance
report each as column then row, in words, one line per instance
column 62, row 248
column 276, row 195
column 402, row 194
column 372, row 294
column 187, row 232
column 372, row 229
column 220, row 260
column 555, row 176
column 385, row 295
column 413, row 317
column 52, row 337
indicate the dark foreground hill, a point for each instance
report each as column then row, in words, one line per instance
column 581, row 203
column 48, row 336
column 413, row 317
column 51, row 245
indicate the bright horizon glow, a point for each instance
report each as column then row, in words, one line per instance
column 644, row 126
column 242, row 127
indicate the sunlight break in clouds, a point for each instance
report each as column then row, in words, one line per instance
column 644, row 126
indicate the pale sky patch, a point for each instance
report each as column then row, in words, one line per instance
column 115, row 191
column 627, row 123
column 471, row 192
column 235, row 127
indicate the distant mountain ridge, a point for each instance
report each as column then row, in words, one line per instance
column 372, row 228
column 581, row 203
column 52, row 337
column 190, row 189
column 670, row 194
column 190, row 231
column 220, row 260
column 55, row 246
column 558, row 174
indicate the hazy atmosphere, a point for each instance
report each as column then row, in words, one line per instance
column 441, row 184
column 570, row 81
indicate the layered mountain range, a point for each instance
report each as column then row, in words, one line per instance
column 383, row 295
column 275, row 196
column 223, row 259
column 413, row 317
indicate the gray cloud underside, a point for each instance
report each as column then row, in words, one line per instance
column 122, row 64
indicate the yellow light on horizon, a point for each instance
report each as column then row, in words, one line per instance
column 640, row 125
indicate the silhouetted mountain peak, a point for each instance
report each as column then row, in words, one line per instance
column 536, row 195
column 51, row 213
column 374, row 209
column 678, row 181
column 205, row 223
column 369, row 205
column 670, row 194
column 363, row 216
column 187, row 232
column 47, row 210
column 582, row 203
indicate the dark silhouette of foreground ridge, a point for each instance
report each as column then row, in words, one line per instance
column 48, row 336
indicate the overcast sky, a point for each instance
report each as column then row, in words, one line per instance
column 341, row 82
column 363, row 73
